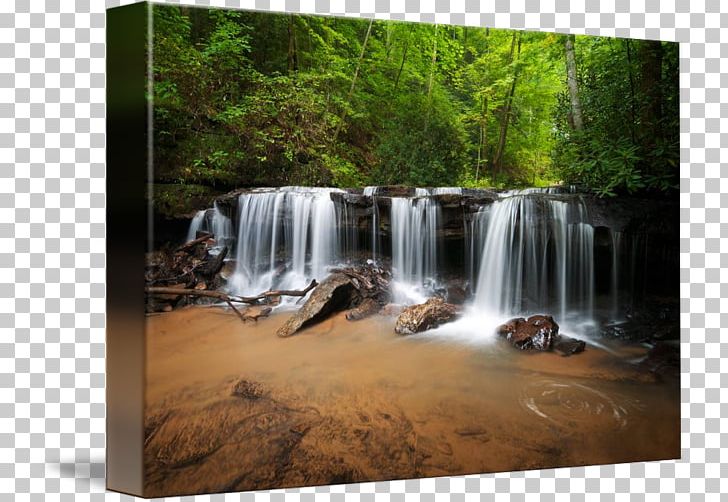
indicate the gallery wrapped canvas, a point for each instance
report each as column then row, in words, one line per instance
column 345, row 250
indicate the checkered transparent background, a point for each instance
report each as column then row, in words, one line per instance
column 52, row 264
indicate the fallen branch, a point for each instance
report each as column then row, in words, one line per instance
column 282, row 292
column 157, row 290
column 229, row 299
column 194, row 242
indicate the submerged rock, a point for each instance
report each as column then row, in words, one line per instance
column 428, row 315
column 567, row 346
column 663, row 359
column 332, row 295
column 535, row 333
column 248, row 390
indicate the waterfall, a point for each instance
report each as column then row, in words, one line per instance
column 537, row 256
column 530, row 251
column 258, row 235
column 614, row 286
column 324, row 244
column 298, row 222
column 214, row 222
column 475, row 232
column 375, row 229
column 414, row 245
column 195, row 225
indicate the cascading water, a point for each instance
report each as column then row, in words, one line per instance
column 414, row 246
column 285, row 238
column 371, row 191
column 195, row 225
column 214, row 222
column 537, row 256
column 614, row 286
column 527, row 252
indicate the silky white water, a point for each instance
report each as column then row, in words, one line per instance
column 414, row 247
column 214, row 222
column 286, row 237
column 528, row 252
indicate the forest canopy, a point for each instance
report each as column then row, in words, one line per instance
column 258, row 99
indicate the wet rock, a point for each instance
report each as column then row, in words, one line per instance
column 448, row 200
column 535, row 333
column 567, row 346
column 395, row 191
column 227, row 270
column 456, row 294
column 663, row 359
column 335, row 293
column 367, row 307
column 248, row 390
column 428, row 315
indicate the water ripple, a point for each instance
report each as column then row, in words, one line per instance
column 568, row 405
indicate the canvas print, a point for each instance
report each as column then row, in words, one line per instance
column 384, row 250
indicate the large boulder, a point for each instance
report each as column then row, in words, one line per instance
column 335, row 293
column 535, row 333
column 428, row 315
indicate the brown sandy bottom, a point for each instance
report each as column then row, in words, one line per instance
column 232, row 407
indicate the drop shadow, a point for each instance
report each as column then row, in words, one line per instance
column 85, row 470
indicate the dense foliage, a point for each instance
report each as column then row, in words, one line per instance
column 245, row 98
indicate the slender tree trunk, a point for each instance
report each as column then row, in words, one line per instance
column 506, row 118
column 388, row 42
column 353, row 80
column 292, row 50
column 404, row 58
column 572, row 83
column 482, row 136
column 432, row 66
column 431, row 80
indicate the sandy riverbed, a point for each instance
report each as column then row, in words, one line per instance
column 350, row 401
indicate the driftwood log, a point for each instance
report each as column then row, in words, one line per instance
column 199, row 240
column 230, row 299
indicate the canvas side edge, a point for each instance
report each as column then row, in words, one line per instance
column 127, row 170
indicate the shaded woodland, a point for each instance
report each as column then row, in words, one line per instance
column 258, row 99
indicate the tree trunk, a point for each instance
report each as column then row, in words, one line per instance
column 292, row 52
column 404, row 58
column 482, row 136
column 506, row 118
column 353, row 80
column 432, row 66
column 219, row 295
column 573, row 84
column 431, row 80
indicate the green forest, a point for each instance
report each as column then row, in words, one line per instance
column 258, row 99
